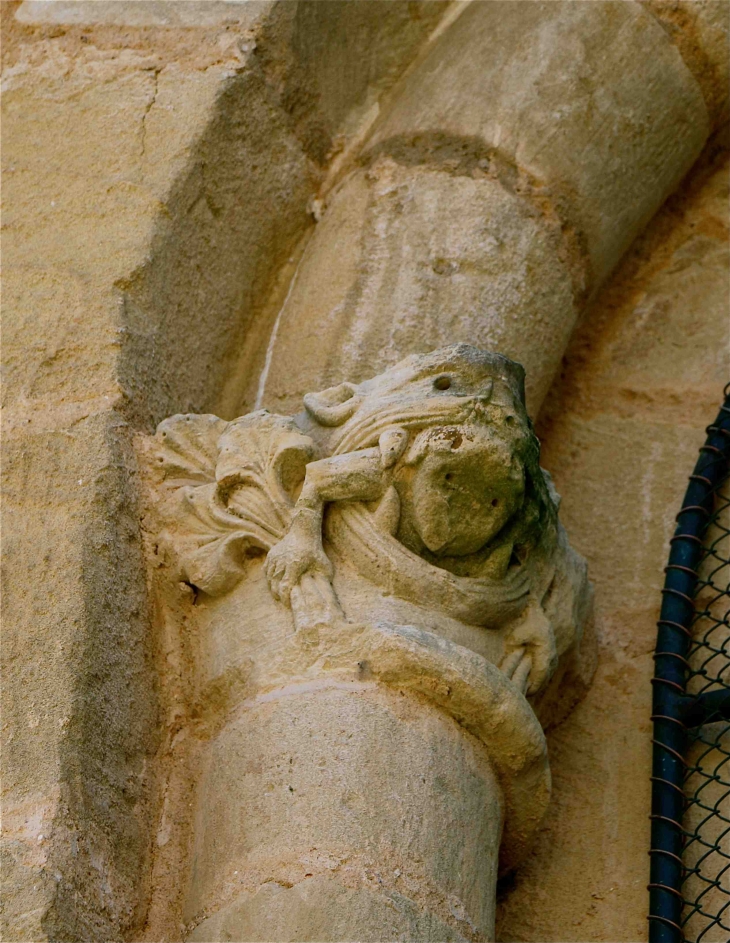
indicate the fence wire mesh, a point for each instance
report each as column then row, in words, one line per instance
column 689, row 888
column 706, row 823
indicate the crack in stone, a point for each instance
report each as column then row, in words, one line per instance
column 148, row 108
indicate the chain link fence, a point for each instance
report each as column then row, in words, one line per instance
column 690, row 831
column 706, row 823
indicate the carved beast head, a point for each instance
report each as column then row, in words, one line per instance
column 470, row 482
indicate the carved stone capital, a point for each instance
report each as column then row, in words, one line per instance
column 422, row 485
column 396, row 539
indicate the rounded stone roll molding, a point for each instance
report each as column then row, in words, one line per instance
column 381, row 583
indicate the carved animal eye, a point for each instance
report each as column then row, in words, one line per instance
column 448, row 476
column 495, row 502
column 509, row 420
column 442, row 383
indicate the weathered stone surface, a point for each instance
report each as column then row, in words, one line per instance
column 668, row 344
column 124, row 13
column 424, row 481
column 329, row 64
column 562, row 80
column 404, row 521
column 381, row 793
column 424, row 257
column 143, row 214
column 78, row 662
column 84, row 215
column 307, row 911
column 131, row 155
column 512, row 168
column 621, row 429
column 701, row 31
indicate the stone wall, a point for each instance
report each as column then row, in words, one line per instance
column 163, row 172
column 157, row 171
column 620, row 431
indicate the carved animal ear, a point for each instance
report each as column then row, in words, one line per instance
column 334, row 406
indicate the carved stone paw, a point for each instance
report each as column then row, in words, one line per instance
column 532, row 655
column 288, row 562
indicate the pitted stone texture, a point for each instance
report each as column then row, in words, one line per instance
column 144, row 219
column 592, row 99
column 701, row 31
column 93, row 613
column 145, row 13
column 375, row 788
column 643, row 378
column 512, row 168
column 330, row 735
column 409, row 259
column 425, row 481
column 79, row 707
column 321, row 908
column 670, row 343
column 90, row 204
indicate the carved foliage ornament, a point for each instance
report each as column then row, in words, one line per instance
column 424, row 481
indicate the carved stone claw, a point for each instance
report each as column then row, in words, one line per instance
column 533, row 641
column 514, row 586
column 290, row 560
column 314, row 605
column 522, row 673
column 517, row 666
column 511, row 661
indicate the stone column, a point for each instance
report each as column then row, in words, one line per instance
column 363, row 765
column 509, row 172
column 381, row 581
column 365, row 796
column 119, row 322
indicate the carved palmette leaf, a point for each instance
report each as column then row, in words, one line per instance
column 230, row 491
column 210, row 543
column 188, row 447
column 265, row 453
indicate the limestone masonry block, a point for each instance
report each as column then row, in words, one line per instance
column 223, row 679
column 154, row 183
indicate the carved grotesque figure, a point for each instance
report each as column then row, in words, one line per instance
column 415, row 496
